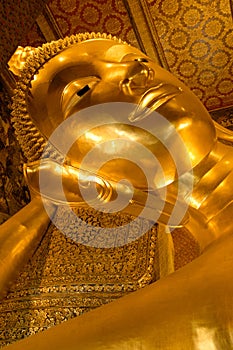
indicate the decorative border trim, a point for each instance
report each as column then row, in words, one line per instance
column 48, row 25
column 145, row 31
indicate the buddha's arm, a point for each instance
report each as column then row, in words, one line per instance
column 19, row 237
column 190, row 309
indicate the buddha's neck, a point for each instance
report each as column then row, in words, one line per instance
column 212, row 196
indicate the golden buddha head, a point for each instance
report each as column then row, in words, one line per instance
column 68, row 77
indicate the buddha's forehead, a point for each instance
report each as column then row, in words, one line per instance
column 100, row 49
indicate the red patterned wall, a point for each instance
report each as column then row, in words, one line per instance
column 33, row 38
column 74, row 16
column 16, row 19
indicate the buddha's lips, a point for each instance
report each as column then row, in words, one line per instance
column 152, row 99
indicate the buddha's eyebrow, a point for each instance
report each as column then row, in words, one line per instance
column 141, row 59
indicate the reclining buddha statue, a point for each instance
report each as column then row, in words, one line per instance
column 107, row 133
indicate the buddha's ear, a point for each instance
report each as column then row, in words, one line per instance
column 46, row 178
column 223, row 133
column 65, row 184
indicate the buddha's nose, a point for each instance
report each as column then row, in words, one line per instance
column 139, row 77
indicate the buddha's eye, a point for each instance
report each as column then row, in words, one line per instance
column 76, row 91
column 82, row 91
column 141, row 59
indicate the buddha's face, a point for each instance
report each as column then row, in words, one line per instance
column 100, row 71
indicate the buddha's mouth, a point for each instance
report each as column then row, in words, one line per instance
column 152, row 99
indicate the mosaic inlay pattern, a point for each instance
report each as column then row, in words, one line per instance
column 65, row 279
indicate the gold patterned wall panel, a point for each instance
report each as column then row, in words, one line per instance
column 195, row 42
